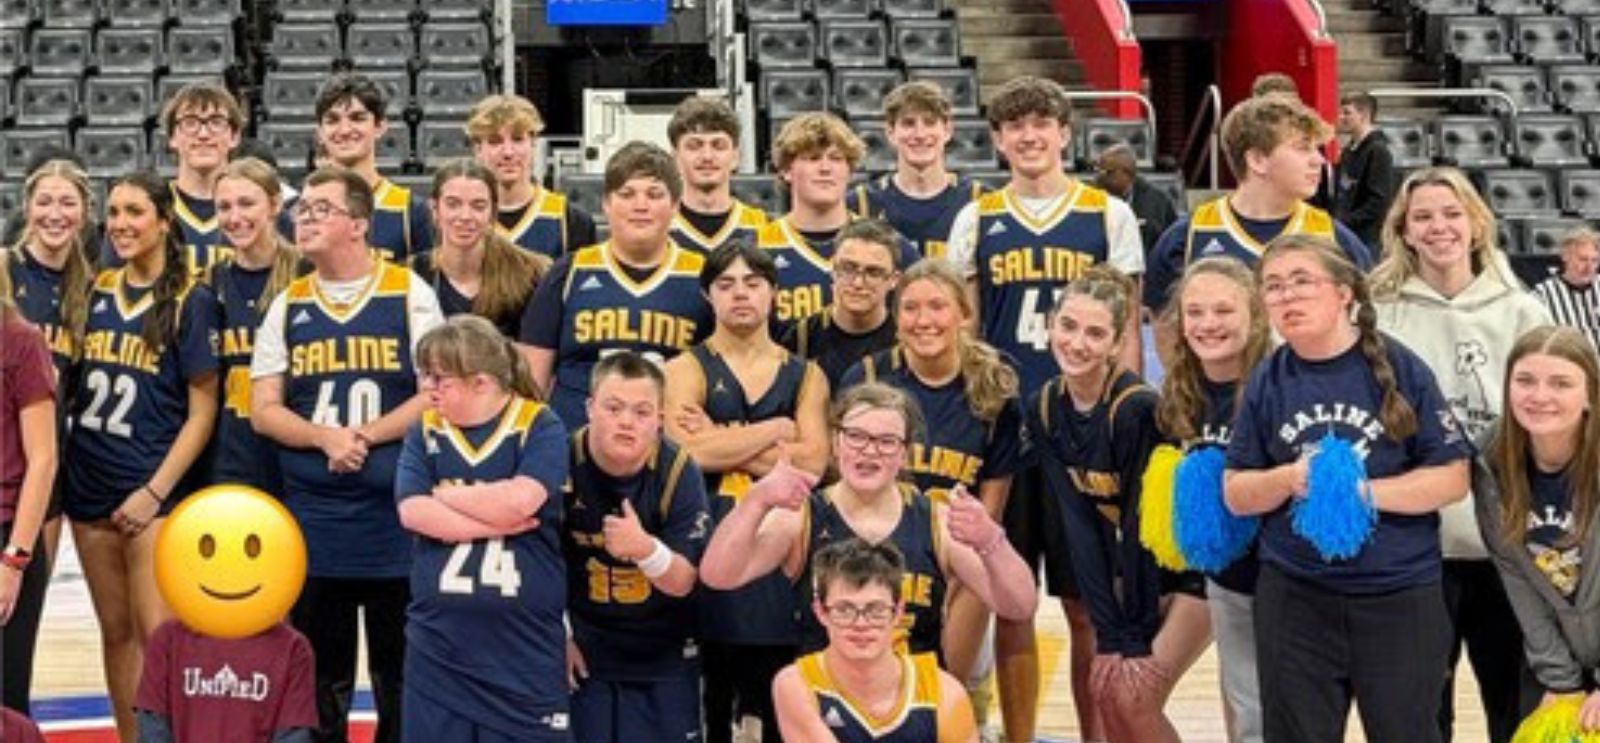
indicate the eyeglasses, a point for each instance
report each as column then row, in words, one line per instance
column 859, row 441
column 847, row 271
column 317, row 211
column 875, row 614
column 1296, row 286
column 193, row 124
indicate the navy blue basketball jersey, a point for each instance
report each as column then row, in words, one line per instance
column 925, row 222
column 540, row 226
column 132, row 399
column 915, row 718
column 349, row 365
column 590, row 305
column 818, row 338
column 452, row 302
column 484, row 636
column 400, row 222
column 36, row 289
column 742, row 223
column 237, row 454
column 626, row 629
column 923, row 587
column 955, row 446
column 805, row 269
column 203, row 244
column 1093, row 461
column 1022, row 262
column 763, row 612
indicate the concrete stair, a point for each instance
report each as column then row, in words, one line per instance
column 1009, row 38
column 1372, row 54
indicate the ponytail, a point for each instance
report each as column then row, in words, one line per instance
column 521, row 374
column 1397, row 416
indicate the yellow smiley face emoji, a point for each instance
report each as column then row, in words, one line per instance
column 230, row 561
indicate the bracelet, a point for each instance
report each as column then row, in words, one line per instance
column 994, row 544
column 658, row 563
column 16, row 558
column 146, row 489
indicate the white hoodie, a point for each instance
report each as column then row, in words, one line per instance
column 1465, row 340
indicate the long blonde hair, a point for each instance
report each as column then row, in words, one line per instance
column 285, row 258
column 1182, row 407
column 1509, row 447
column 78, row 274
column 988, row 380
column 509, row 273
column 468, row 344
column 1400, row 261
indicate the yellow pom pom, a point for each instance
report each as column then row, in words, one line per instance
column 1156, row 530
column 1556, row 722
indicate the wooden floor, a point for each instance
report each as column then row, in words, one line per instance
column 69, row 664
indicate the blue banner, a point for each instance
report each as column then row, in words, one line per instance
column 606, row 12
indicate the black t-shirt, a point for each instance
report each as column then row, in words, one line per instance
column 835, row 349
column 705, row 223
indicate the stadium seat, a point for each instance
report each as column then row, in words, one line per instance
column 774, row 10
column 291, row 143
column 854, row 43
column 1100, row 134
column 1580, row 193
column 1549, row 140
column 379, row 45
column 290, row 94
column 438, row 141
column 169, row 85
column 450, row 92
column 308, row 11
column 59, row 52
column 1543, row 236
column 960, row 83
column 394, row 147
column 783, row 44
column 200, row 50
column 761, row 190
column 69, row 14
column 396, row 85
column 128, row 51
column 585, row 191
column 456, row 45
column 1471, row 141
column 1473, row 40
column 1514, row 7
column 5, row 100
column 439, row 10
column 118, row 101
column 207, row 12
column 850, row 9
column 860, row 92
column 1508, row 233
column 880, row 154
column 922, row 42
column 913, row 8
column 13, row 50
column 1170, row 184
column 972, row 147
column 17, row 13
column 789, row 93
column 20, row 144
column 313, row 46
column 1519, row 193
column 381, row 10
column 136, row 13
column 1575, row 88
column 1548, row 39
column 1408, row 141
column 10, row 195
column 109, row 153
column 162, row 159
column 46, row 101
column 1577, row 8
column 1524, row 84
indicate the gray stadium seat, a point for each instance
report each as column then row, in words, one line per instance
column 289, row 94
column 1100, row 134
column 1525, row 85
column 880, row 154
column 394, row 147
column 17, row 13
column 913, row 8
column 13, row 49
column 10, row 195
column 854, row 43
column 5, row 99
column 1514, row 7
column 1471, row 141
column 128, row 51
column 382, row 10
column 118, row 101
column 1508, row 233
column 439, row 10
column 308, row 11
column 380, row 45
column 46, row 101
column 108, row 153
column 1548, row 39
column 396, row 85
column 199, row 50
column 1473, row 40
column 585, row 191
column 972, row 147
column 922, row 42
column 207, row 12
column 313, row 46
column 20, row 144
column 69, row 13
column 1408, row 141
column 1577, row 8
column 450, row 92
column 1170, row 184
column 140, row 13
column 1575, row 88
column 438, row 141
column 1519, row 193
column 162, row 159
column 774, row 10
column 59, row 51
column 760, row 190
column 1580, row 193
column 783, row 44
column 455, row 45
column 858, row 9
column 169, row 85
column 860, row 92
column 1550, row 140
column 789, row 93
column 290, row 142
column 960, row 83
column 1543, row 236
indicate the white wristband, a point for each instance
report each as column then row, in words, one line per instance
column 658, row 563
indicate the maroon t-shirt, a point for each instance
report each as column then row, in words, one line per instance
column 26, row 377
column 14, row 728
column 242, row 691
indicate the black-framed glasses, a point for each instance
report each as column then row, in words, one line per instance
column 317, row 211
column 848, row 271
column 215, row 123
column 1296, row 286
column 875, row 614
column 860, row 440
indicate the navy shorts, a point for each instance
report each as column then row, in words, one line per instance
column 425, row 721
column 658, row 711
column 1033, row 522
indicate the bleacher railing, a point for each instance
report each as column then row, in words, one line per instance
column 1211, row 104
column 1499, row 95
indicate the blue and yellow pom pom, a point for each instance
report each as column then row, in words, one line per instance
column 1336, row 515
column 1155, row 508
column 1556, row 722
column 1209, row 536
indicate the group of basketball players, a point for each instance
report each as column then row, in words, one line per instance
column 723, row 471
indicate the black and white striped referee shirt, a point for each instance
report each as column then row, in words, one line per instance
column 1575, row 306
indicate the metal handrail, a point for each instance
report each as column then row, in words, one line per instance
column 1107, row 95
column 1127, row 20
column 1212, row 101
column 1511, row 103
column 1322, row 18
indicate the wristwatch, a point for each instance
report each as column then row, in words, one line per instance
column 15, row 557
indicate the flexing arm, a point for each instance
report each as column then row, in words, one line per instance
column 760, row 534
column 1000, row 579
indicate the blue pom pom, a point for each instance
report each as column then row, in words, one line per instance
column 1335, row 516
column 1209, row 535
